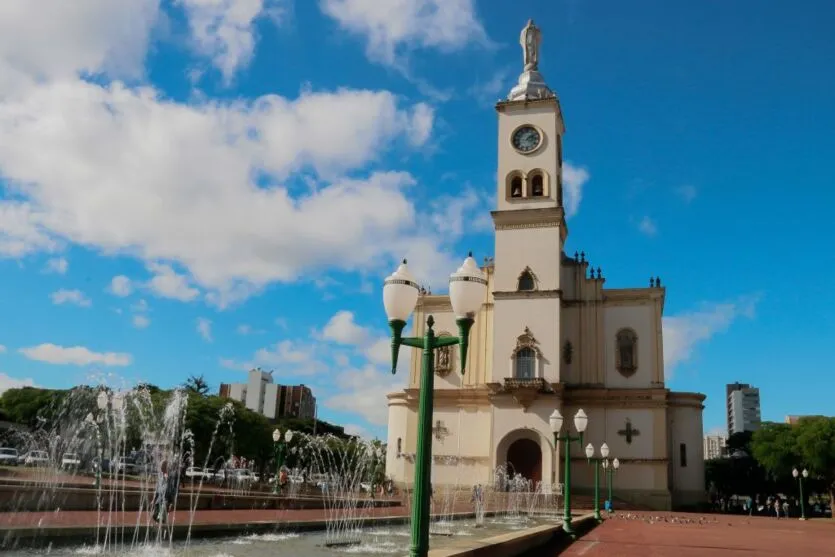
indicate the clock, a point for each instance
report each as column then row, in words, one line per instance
column 526, row 139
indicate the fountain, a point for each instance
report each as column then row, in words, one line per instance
column 133, row 448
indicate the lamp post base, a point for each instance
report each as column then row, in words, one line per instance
column 802, row 518
column 567, row 527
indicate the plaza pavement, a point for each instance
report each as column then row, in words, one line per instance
column 656, row 534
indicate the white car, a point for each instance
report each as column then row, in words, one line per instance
column 198, row 473
column 70, row 461
column 36, row 458
column 8, row 456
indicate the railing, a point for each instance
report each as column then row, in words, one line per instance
column 533, row 383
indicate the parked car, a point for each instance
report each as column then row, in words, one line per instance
column 198, row 473
column 126, row 466
column 36, row 458
column 70, row 461
column 8, row 456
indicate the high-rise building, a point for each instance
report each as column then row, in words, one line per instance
column 714, row 446
column 743, row 402
column 261, row 395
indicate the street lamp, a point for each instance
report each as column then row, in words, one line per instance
column 580, row 423
column 610, row 469
column 280, row 450
column 800, row 477
column 467, row 289
column 604, row 454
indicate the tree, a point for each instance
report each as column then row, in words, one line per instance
column 808, row 444
column 197, row 384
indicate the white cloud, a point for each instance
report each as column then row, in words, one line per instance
column 21, row 230
column 204, row 328
column 342, row 328
column 647, row 226
column 96, row 36
column 489, row 91
column 126, row 172
column 685, row 331
column 74, row 355
column 72, row 297
column 167, row 283
column 466, row 212
column 287, row 356
column 121, row 286
column 359, row 431
column 2, row 349
column 57, row 265
column 7, row 382
column 394, row 27
column 574, row 178
column 224, row 30
column 141, row 321
column 687, row 193
column 363, row 391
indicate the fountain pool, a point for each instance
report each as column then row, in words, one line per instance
column 374, row 541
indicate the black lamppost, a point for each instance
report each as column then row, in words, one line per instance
column 800, row 477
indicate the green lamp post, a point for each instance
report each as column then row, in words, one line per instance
column 604, row 453
column 467, row 291
column 609, row 469
column 580, row 423
column 800, row 477
column 280, row 453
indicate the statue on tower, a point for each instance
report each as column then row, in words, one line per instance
column 529, row 40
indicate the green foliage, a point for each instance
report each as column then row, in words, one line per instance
column 808, row 444
column 197, row 384
column 740, row 441
column 217, row 433
column 775, row 447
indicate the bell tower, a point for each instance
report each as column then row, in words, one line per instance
column 529, row 219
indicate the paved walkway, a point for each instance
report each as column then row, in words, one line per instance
column 654, row 534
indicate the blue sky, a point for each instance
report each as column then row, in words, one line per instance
column 196, row 187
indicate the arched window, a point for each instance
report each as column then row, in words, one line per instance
column 516, row 186
column 399, row 445
column 525, row 364
column 537, row 186
column 626, row 352
column 526, row 281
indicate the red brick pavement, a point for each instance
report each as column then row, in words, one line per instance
column 654, row 534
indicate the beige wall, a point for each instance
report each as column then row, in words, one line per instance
column 537, row 248
column 541, row 316
column 639, row 318
column 686, row 428
column 546, row 117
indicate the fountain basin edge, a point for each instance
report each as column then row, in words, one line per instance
column 515, row 544
column 33, row 537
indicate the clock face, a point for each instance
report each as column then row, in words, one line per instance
column 526, row 139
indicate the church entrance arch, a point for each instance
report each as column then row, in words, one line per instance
column 524, row 457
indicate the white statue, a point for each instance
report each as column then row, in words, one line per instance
column 529, row 40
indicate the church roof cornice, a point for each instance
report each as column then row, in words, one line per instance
column 544, row 217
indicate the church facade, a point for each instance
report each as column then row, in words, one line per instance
column 549, row 336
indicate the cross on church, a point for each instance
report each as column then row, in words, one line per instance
column 629, row 432
column 440, row 431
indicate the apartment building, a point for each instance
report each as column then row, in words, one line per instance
column 260, row 394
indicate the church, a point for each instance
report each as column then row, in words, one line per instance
column 548, row 336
